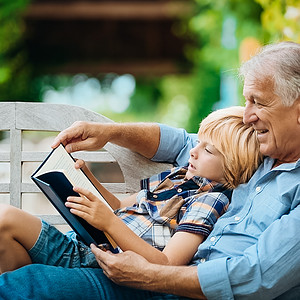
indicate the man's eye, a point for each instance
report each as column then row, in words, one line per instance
column 257, row 103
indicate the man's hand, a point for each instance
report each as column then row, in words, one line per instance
column 132, row 270
column 126, row 268
column 83, row 136
column 142, row 138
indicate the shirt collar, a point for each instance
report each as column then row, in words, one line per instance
column 269, row 162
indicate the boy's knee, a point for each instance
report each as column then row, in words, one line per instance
column 8, row 215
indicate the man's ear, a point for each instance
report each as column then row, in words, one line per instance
column 298, row 109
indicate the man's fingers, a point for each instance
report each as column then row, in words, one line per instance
column 97, row 252
column 64, row 137
column 72, row 143
column 101, row 256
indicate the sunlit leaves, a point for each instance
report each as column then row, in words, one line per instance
column 14, row 74
column 281, row 19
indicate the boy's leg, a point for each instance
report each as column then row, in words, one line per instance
column 19, row 231
column 48, row 282
column 57, row 249
column 24, row 239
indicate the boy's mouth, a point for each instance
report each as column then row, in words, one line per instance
column 191, row 166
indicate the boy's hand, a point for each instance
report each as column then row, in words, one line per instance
column 80, row 164
column 91, row 209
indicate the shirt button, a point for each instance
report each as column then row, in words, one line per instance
column 179, row 190
column 81, row 249
column 202, row 260
column 258, row 189
column 155, row 196
column 237, row 218
column 212, row 239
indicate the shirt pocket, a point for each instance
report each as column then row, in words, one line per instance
column 264, row 212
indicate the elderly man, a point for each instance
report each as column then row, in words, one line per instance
column 253, row 251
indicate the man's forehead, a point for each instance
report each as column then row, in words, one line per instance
column 257, row 87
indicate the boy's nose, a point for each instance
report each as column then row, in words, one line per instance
column 193, row 152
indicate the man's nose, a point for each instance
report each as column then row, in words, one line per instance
column 249, row 114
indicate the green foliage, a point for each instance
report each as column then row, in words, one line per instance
column 179, row 100
column 144, row 101
column 212, row 53
column 207, row 93
column 281, row 19
column 15, row 72
column 183, row 100
column 174, row 107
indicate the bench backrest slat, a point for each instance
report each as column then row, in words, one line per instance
column 17, row 117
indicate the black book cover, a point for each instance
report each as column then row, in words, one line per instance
column 56, row 187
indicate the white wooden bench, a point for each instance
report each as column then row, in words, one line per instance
column 17, row 118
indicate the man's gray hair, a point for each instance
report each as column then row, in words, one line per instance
column 281, row 63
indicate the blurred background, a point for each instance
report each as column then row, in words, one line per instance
column 148, row 60
column 164, row 61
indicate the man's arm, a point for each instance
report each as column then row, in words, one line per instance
column 142, row 138
column 132, row 270
column 157, row 141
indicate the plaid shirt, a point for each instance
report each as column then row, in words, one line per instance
column 168, row 203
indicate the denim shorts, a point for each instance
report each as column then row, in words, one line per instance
column 57, row 249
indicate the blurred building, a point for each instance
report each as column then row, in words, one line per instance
column 97, row 36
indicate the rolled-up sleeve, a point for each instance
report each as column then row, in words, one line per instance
column 175, row 145
column 213, row 278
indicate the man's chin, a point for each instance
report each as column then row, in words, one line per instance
column 265, row 150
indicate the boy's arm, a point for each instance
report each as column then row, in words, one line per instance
column 182, row 247
column 112, row 200
column 179, row 250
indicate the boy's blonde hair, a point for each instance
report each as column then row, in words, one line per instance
column 236, row 141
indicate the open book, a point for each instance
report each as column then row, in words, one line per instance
column 56, row 177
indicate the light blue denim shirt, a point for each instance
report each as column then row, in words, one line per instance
column 253, row 251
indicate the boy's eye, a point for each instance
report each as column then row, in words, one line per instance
column 207, row 150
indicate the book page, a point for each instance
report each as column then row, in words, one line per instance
column 60, row 160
